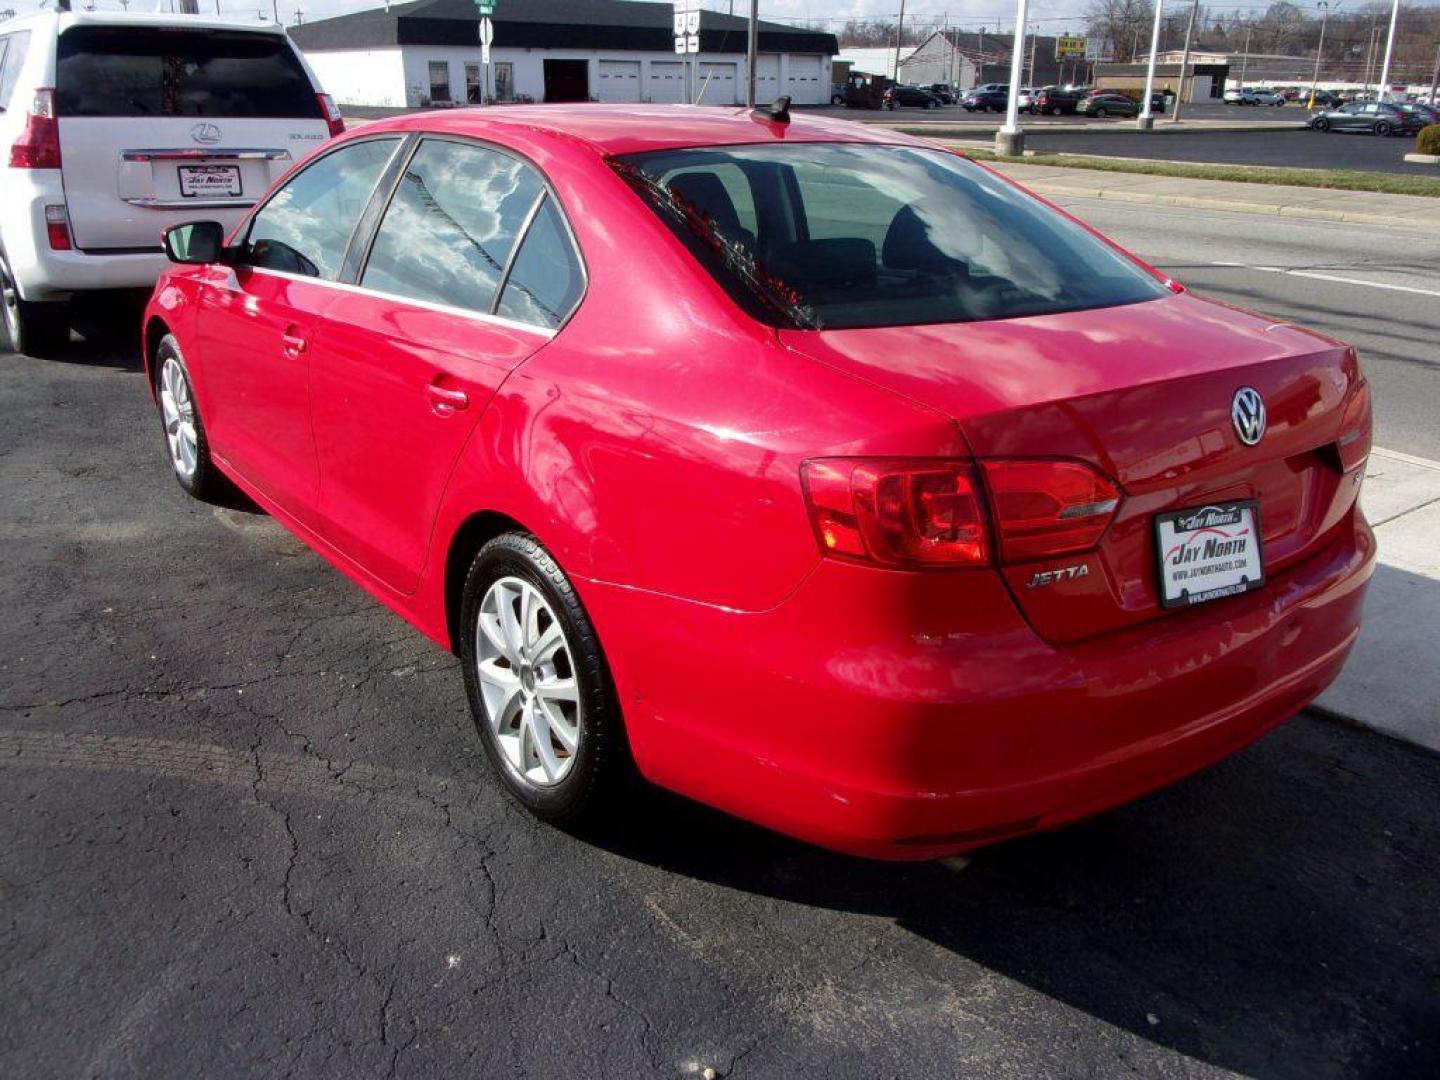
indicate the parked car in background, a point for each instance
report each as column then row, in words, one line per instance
column 943, row 92
column 837, row 93
column 1053, row 101
column 1375, row 117
column 1428, row 114
column 1000, row 528
column 866, row 91
column 119, row 125
column 985, row 100
column 1325, row 99
column 1107, row 103
column 916, row 97
column 1251, row 96
column 1025, row 99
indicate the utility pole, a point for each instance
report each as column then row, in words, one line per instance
column 1435, row 79
column 1245, row 56
column 899, row 39
column 1185, row 61
column 1389, row 52
column 1010, row 140
column 1034, row 40
column 1324, row 6
column 1146, row 120
column 752, row 48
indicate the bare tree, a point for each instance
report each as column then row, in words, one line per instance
column 1125, row 24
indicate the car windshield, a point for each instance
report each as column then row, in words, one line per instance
column 828, row 236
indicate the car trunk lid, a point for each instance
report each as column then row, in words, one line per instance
column 1143, row 393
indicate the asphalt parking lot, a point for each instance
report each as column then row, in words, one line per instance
column 249, row 831
column 1191, row 111
column 1292, row 149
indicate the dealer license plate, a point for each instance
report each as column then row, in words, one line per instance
column 1209, row 552
column 210, row 181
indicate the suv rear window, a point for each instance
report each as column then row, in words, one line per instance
column 860, row 236
column 130, row 71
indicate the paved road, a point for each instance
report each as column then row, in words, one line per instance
column 1298, row 149
column 1229, row 114
column 247, row 833
column 1378, row 288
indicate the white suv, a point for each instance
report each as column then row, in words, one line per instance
column 113, row 126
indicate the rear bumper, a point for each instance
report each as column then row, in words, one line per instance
column 913, row 716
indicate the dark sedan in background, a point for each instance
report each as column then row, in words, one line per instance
column 1375, row 117
column 985, row 101
column 1052, row 101
column 1106, row 103
column 914, row 96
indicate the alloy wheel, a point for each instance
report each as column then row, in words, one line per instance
column 178, row 409
column 527, row 679
column 10, row 297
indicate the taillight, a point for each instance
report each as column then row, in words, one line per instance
column 57, row 227
column 38, row 146
column 1048, row 508
column 331, row 112
column 910, row 513
column 897, row 512
column 1356, row 430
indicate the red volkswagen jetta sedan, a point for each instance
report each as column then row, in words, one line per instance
column 827, row 476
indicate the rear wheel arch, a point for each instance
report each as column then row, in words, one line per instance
column 474, row 532
column 155, row 330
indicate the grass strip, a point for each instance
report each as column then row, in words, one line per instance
column 1337, row 179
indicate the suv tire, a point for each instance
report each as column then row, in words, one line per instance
column 31, row 329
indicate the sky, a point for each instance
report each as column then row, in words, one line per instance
column 1050, row 16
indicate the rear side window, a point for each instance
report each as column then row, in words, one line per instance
column 306, row 226
column 133, row 71
column 545, row 280
column 12, row 57
column 447, row 234
column 863, row 235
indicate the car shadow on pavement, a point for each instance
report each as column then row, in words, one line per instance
column 1277, row 915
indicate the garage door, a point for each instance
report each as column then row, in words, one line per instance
column 667, row 80
column 802, row 81
column 767, row 78
column 619, row 80
column 719, row 84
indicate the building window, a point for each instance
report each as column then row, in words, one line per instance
column 505, row 81
column 473, row 90
column 439, row 80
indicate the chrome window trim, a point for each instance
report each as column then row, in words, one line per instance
column 443, row 309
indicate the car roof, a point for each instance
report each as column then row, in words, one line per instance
column 630, row 129
column 149, row 20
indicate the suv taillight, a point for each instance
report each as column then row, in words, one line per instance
column 38, row 146
column 926, row 513
column 331, row 112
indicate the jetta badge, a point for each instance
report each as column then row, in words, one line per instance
column 1247, row 413
column 207, row 134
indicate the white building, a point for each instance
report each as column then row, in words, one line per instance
column 428, row 53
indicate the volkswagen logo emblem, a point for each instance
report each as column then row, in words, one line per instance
column 208, row 134
column 1247, row 413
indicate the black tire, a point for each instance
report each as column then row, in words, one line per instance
column 1320, row 124
column 206, row 482
column 836, row 99
column 602, row 771
column 1383, row 128
column 31, row 329
column 1101, row 112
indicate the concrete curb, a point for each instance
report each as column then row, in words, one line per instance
column 1241, row 206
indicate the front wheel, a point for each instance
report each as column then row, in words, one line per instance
column 1101, row 113
column 31, row 329
column 539, row 687
column 1321, row 124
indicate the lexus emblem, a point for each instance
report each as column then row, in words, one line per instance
column 208, row 134
column 1247, row 413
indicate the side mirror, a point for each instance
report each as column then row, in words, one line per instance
column 195, row 243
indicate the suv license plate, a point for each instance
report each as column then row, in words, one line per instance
column 1209, row 552
column 210, row 181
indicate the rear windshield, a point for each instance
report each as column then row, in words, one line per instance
column 130, row 71
column 822, row 235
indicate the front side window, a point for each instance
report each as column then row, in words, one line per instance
column 439, row 80
column 859, row 236
column 447, row 234
column 306, row 226
column 153, row 71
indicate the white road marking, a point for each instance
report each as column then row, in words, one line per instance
column 1330, row 277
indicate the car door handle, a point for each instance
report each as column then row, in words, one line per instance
column 445, row 401
column 293, row 343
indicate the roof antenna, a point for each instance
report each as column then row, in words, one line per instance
column 777, row 112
